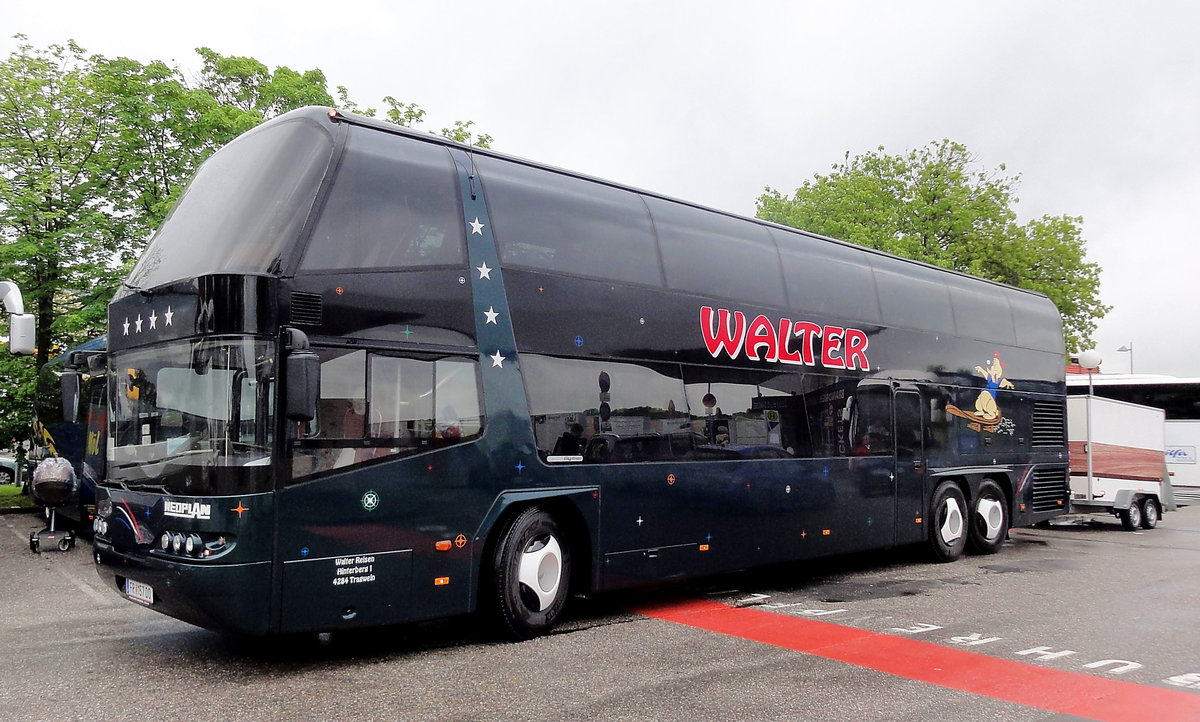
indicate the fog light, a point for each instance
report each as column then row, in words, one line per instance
column 193, row 544
column 177, row 542
column 165, row 542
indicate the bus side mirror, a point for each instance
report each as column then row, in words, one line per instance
column 303, row 385
column 20, row 334
column 70, row 396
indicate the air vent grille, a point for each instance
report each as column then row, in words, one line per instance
column 1049, row 488
column 1049, row 428
column 306, row 309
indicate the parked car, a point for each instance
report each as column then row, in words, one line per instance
column 8, row 470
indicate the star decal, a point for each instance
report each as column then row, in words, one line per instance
column 497, row 360
column 168, row 316
column 484, row 271
column 491, row 315
column 126, row 325
column 138, row 324
column 476, row 227
column 153, row 318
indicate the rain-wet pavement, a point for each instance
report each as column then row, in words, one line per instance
column 1087, row 598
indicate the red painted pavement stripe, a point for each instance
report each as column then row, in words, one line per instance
column 1026, row 684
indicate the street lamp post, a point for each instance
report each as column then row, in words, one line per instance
column 1128, row 347
column 1090, row 361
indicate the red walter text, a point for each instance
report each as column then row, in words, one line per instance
column 728, row 332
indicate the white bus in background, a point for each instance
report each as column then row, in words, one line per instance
column 1179, row 398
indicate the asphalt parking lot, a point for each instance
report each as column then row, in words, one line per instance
column 1076, row 621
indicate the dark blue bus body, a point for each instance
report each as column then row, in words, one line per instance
column 533, row 383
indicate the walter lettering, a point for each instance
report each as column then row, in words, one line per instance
column 802, row 343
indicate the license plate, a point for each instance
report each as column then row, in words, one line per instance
column 139, row 592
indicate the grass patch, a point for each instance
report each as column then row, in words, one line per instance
column 11, row 496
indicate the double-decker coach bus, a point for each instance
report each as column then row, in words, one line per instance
column 365, row 376
column 78, row 437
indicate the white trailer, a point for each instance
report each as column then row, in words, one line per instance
column 1118, row 464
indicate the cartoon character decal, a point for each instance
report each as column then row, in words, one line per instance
column 987, row 415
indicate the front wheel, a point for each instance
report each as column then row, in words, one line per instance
column 1150, row 513
column 531, row 574
column 948, row 522
column 989, row 519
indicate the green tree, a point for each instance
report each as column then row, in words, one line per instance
column 93, row 153
column 935, row 205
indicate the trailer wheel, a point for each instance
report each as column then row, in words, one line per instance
column 1150, row 513
column 1131, row 518
column 948, row 522
column 531, row 574
column 989, row 519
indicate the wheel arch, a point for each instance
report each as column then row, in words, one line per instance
column 576, row 511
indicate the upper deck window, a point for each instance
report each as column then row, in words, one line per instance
column 394, row 204
column 826, row 277
column 244, row 207
column 716, row 255
column 554, row 222
column 912, row 296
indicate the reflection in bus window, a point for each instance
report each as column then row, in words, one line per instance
column 625, row 411
column 374, row 406
column 742, row 415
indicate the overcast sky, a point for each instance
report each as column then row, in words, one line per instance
column 1096, row 104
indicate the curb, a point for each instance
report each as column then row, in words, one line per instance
column 20, row 510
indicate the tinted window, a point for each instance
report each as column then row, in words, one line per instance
column 374, row 405
column 827, row 278
column 739, row 415
column 554, row 222
column 912, row 296
column 625, row 412
column 981, row 310
column 1037, row 322
column 715, row 255
column 244, row 207
column 393, row 204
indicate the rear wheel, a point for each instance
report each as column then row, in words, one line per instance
column 531, row 573
column 989, row 519
column 1150, row 513
column 948, row 522
column 1131, row 518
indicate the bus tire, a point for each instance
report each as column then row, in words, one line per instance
column 948, row 522
column 989, row 519
column 531, row 574
column 1150, row 513
column 1131, row 518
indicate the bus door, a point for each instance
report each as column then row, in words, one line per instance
column 911, row 425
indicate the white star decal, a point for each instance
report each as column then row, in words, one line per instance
column 153, row 318
column 168, row 316
column 484, row 272
column 491, row 315
column 476, row 227
column 138, row 324
column 126, row 325
column 497, row 359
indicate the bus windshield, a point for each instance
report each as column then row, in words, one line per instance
column 243, row 208
column 193, row 417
